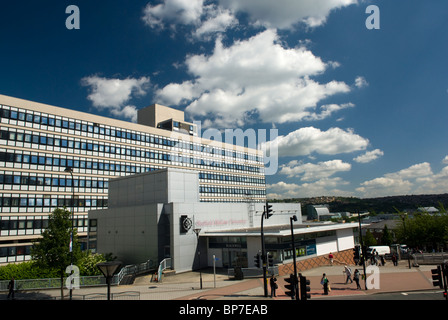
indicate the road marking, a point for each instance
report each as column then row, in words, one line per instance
column 404, row 293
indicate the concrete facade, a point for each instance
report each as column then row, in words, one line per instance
column 154, row 215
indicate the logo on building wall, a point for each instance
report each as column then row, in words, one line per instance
column 185, row 224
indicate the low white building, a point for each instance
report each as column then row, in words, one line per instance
column 154, row 215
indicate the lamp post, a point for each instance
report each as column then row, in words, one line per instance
column 70, row 170
column 197, row 231
column 403, row 217
column 291, row 219
column 363, row 260
column 108, row 270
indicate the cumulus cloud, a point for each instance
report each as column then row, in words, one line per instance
column 416, row 179
column 308, row 140
column 257, row 78
column 205, row 18
column 113, row 94
column 322, row 187
column 445, row 160
column 172, row 12
column 218, row 20
column 360, row 82
column 285, row 14
column 369, row 156
column 208, row 17
column 311, row 171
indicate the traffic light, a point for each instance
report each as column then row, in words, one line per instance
column 291, row 287
column 437, row 277
column 268, row 210
column 304, row 288
column 270, row 260
column 257, row 260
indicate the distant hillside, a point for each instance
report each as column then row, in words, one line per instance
column 377, row 205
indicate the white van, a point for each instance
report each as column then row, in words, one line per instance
column 382, row 250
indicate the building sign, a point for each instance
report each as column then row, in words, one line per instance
column 185, row 224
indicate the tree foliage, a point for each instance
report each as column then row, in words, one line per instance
column 424, row 231
column 52, row 251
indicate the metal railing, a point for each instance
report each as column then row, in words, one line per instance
column 127, row 295
column 164, row 264
column 135, row 269
column 89, row 281
column 430, row 258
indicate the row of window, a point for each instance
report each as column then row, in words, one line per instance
column 206, row 190
column 34, row 223
column 230, row 178
column 115, row 150
column 47, row 201
column 82, row 163
column 25, row 179
column 82, row 126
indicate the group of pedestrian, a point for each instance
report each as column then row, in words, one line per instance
column 348, row 273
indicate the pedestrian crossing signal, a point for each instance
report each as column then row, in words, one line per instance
column 257, row 260
column 268, row 210
column 437, row 277
column 291, row 287
column 304, row 288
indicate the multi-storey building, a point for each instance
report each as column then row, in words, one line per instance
column 39, row 142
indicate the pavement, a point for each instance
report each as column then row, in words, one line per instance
column 186, row 286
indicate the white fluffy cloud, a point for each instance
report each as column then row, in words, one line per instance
column 369, row 156
column 284, row 14
column 209, row 17
column 417, row 179
column 322, row 187
column 360, row 82
column 311, row 171
column 256, row 79
column 172, row 12
column 114, row 94
column 308, row 140
column 445, row 160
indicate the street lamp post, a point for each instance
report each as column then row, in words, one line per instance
column 70, row 170
column 363, row 260
column 291, row 219
column 403, row 217
column 197, row 231
column 108, row 269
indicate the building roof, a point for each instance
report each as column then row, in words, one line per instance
column 281, row 230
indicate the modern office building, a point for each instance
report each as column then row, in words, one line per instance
column 158, row 215
column 38, row 142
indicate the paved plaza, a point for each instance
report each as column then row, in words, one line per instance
column 186, row 286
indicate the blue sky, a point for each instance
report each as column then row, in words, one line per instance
column 359, row 112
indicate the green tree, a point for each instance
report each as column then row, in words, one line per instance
column 387, row 237
column 369, row 239
column 52, row 251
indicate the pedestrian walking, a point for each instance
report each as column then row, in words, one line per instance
column 348, row 273
column 325, row 283
column 356, row 278
column 394, row 259
column 331, row 257
column 274, row 286
column 11, row 288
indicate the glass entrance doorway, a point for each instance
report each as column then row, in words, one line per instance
column 234, row 258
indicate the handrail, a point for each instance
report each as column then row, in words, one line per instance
column 164, row 264
column 131, row 269
column 53, row 283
